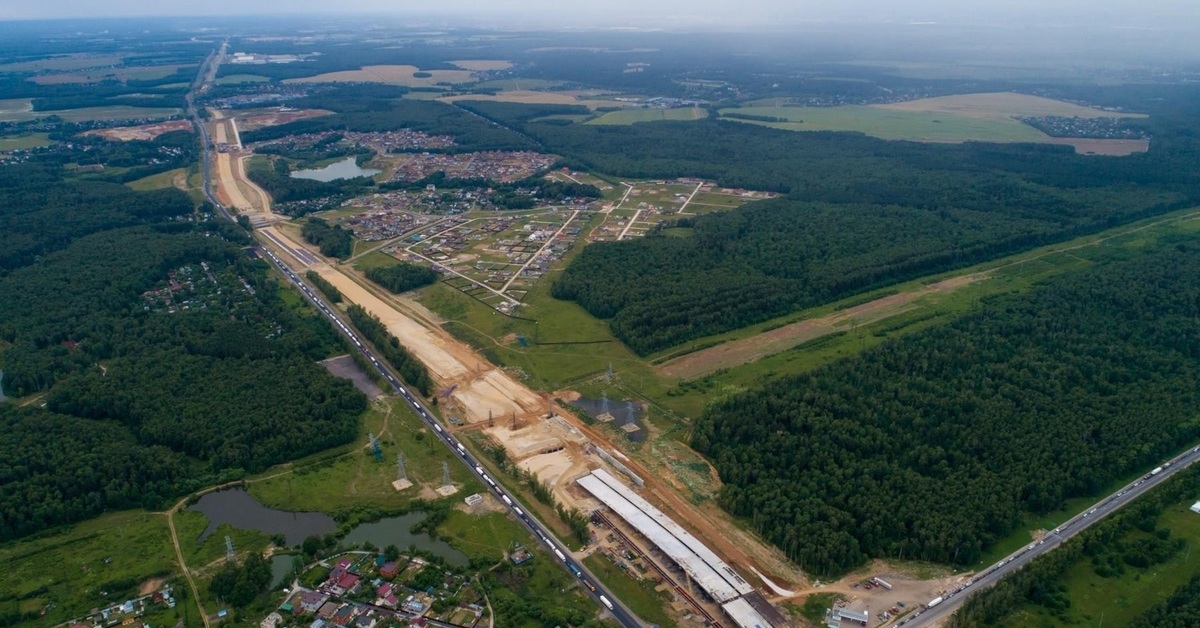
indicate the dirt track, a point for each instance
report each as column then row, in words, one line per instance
column 746, row 350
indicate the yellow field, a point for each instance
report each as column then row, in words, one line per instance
column 1003, row 105
column 540, row 98
column 482, row 65
column 390, row 75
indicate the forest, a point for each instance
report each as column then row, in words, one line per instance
column 858, row 213
column 329, row 290
column 410, row 369
column 132, row 314
column 402, row 277
column 333, row 241
column 934, row 446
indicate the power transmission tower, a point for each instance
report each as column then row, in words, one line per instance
column 229, row 555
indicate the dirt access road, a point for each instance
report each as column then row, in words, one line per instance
column 746, row 350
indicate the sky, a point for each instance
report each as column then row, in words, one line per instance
column 1166, row 14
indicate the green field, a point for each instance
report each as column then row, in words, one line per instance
column 65, row 571
column 337, row 484
column 116, row 112
column 158, row 181
column 892, row 124
column 630, row 116
column 23, row 142
column 1121, row 599
column 78, row 61
column 638, row 595
column 376, row 259
column 236, row 79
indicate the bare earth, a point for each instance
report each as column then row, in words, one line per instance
column 746, row 350
column 142, row 132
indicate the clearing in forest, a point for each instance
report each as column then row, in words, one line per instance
column 406, row 75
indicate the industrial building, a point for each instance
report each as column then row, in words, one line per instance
column 716, row 578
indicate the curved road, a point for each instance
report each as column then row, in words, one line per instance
column 603, row 596
column 1105, row 507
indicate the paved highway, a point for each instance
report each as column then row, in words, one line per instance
column 597, row 590
column 990, row 576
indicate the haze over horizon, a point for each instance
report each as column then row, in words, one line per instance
column 1168, row 15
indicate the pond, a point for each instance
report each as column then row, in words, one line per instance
column 347, row 168
column 240, row 510
column 395, row 531
column 625, row 415
column 282, row 566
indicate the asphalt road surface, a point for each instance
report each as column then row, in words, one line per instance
column 1105, row 507
column 599, row 593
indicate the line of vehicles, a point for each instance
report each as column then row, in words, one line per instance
column 455, row 445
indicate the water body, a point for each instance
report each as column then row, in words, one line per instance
column 347, row 168
column 624, row 413
column 237, row 508
column 395, row 531
column 281, row 570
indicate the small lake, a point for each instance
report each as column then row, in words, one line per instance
column 626, row 415
column 240, row 510
column 395, row 531
column 347, row 168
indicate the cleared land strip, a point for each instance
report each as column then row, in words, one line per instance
column 746, row 350
column 752, row 348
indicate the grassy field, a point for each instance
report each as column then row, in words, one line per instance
column 65, row 571
column 116, row 112
column 892, row 124
column 335, row 484
column 638, row 595
column 24, row 141
column 1120, row 599
column 405, row 75
column 134, row 73
column 158, row 181
column 630, row 116
column 206, row 556
column 77, row 61
column 237, row 79
column 377, row 259
column 1003, row 105
column 486, row 537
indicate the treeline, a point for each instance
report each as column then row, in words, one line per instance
column 1181, row 610
column 376, row 108
column 240, row 584
column 753, row 117
column 1039, row 583
column 329, row 290
column 333, row 241
column 937, row 445
column 410, row 369
column 402, row 276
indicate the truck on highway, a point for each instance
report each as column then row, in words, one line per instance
column 607, row 604
column 559, row 554
column 934, row 602
column 506, row 500
column 1156, row 471
column 575, row 570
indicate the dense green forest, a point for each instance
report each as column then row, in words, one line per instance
column 858, row 213
column 371, row 108
column 333, row 241
column 409, row 368
column 935, row 446
column 402, row 277
column 132, row 314
column 1039, row 582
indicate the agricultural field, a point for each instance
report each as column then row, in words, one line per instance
column 482, row 65
column 121, row 74
column 588, row 98
column 24, row 141
column 631, row 116
column 981, row 117
column 405, row 75
column 65, row 62
column 85, row 114
column 63, row 572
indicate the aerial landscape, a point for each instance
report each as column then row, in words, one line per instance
column 632, row 314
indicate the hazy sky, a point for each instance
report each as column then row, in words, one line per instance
column 1172, row 14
